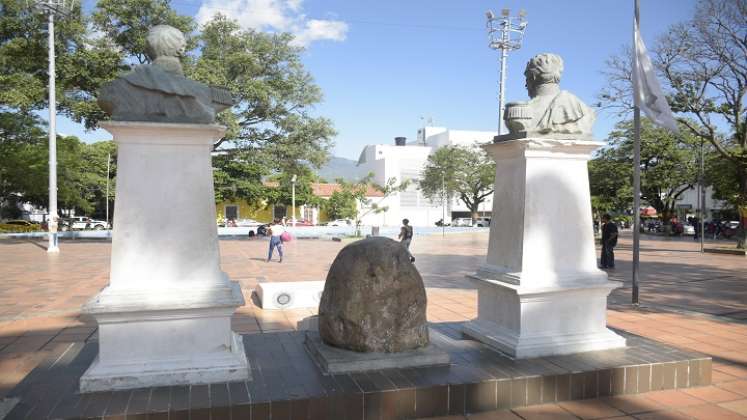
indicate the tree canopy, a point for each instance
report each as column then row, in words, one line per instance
column 703, row 64
column 669, row 167
column 466, row 173
column 272, row 131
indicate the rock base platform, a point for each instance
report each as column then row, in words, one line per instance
column 335, row 360
column 286, row 383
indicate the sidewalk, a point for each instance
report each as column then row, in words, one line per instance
column 41, row 294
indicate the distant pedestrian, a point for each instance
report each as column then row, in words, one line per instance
column 405, row 236
column 275, row 230
column 609, row 241
column 696, row 225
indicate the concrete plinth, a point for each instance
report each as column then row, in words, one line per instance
column 165, row 318
column 333, row 360
column 540, row 292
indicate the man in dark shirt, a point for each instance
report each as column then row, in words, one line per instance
column 609, row 241
column 405, row 236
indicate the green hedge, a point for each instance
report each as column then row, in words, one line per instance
column 6, row 228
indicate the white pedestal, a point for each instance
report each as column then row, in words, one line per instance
column 165, row 318
column 290, row 294
column 540, row 292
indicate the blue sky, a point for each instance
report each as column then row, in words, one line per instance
column 384, row 66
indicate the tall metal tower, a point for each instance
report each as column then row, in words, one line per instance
column 53, row 8
column 505, row 33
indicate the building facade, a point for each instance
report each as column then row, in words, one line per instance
column 405, row 161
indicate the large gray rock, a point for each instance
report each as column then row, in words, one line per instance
column 374, row 299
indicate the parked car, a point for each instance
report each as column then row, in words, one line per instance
column 245, row 223
column 462, row 221
column 300, row 222
column 82, row 222
column 482, row 222
column 339, row 222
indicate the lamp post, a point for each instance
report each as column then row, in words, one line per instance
column 443, row 204
column 293, row 199
column 108, row 170
column 52, row 8
column 505, row 33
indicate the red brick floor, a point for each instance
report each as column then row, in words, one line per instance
column 690, row 300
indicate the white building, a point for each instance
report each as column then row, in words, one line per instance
column 405, row 161
column 687, row 205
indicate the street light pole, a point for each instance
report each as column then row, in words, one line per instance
column 52, row 8
column 293, row 199
column 506, row 34
column 108, row 169
column 443, row 204
column 701, row 197
column 53, row 218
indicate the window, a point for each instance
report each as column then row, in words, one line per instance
column 232, row 212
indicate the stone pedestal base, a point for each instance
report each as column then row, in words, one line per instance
column 523, row 322
column 165, row 337
column 334, row 360
column 165, row 318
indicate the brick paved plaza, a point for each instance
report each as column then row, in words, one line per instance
column 690, row 300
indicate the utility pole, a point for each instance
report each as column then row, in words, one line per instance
column 506, row 34
column 293, row 199
column 636, row 191
column 52, row 8
column 702, row 198
column 108, row 169
column 443, row 204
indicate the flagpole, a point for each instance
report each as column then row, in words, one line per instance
column 636, row 185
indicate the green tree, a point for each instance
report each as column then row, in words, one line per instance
column 703, row 63
column 273, row 118
column 610, row 184
column 467, row 173
column 126, row 23
column 282, row 194
column 23, row 175
column 359, row 194
column 83, row 61
column 669, row 165
column 341, row 205
column 24, row 170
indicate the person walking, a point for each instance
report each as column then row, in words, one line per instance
column 405, row 236
column 275, row 230
column 609, row 241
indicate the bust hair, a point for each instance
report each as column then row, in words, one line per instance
column 545, row 68
column 164, row 41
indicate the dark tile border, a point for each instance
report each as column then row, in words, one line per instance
column 287, row 385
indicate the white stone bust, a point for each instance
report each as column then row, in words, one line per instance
column 164, row 45
column 550, row 110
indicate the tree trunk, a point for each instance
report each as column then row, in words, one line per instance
column 474, row 212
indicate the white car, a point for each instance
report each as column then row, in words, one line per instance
column 339, row 222
column 82, row 222
column 688, row 230
column 462, row 221
column 483, row 222
column 246, row 223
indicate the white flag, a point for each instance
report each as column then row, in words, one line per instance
column 646, row 89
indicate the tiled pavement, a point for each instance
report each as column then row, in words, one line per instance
column 40, row 296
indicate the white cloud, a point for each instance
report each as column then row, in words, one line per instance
column 315, row 29
column 275, row 15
